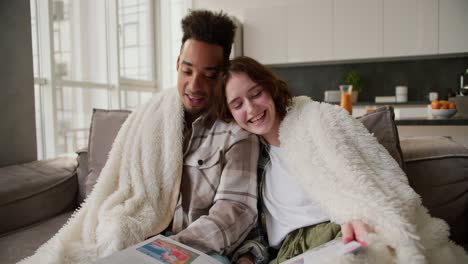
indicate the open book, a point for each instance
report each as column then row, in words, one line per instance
column 158, row 250
column 325, row 251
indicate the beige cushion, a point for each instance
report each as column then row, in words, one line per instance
column 381, row 123
column 437, row 169
column 35, row 191
column 105, row 125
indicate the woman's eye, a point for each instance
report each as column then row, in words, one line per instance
column 257, row 94
column 236, row 106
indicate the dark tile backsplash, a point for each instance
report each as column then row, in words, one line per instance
column 379, row 78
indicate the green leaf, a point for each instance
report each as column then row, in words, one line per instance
column 353, row 78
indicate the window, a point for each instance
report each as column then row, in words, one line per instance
column 39, row 82
column 89, row 54
column 135, row 40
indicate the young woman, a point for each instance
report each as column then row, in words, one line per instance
column 322, row 173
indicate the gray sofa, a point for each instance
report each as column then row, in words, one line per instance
column 37, row 198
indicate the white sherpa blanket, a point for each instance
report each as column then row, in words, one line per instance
column 136, row 192
column 358, row 179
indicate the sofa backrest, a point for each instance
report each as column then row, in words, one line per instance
column 381, row 123
column 105, row 124
column 437, row 169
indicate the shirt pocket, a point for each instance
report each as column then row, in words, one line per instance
column 202, row 175
column 204, row 158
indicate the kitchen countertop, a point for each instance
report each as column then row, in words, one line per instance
column 418, row 121
column 429, row 121
column 409, row 103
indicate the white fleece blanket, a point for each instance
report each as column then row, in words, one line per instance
column 360, row 180
column 136, row 192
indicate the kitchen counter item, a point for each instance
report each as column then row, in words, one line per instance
column 401, row 94
column 443, row 113
column 385, row 99
column 345, row 102
column 332, row 96
column 464, row 83
column 462, row 105
column 433, row 96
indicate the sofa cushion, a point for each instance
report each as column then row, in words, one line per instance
column 15, row 246
column 381, row 123
column 437, row 169
column 35, row 191
column 105, row 125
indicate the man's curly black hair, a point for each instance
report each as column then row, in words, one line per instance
column 209, row 27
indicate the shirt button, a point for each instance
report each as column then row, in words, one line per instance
column 200, row 162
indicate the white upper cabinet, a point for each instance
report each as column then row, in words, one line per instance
column 336, row 30
column 358, row 29
column 265, row 35
column 453, row 26
column 410, row 27
column 310, row 31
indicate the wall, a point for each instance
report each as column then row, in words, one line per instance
column 17, row 129
column 379, row 78
column 236, row 8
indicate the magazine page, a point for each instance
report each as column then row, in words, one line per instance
column 159, row 250
column 325, row 251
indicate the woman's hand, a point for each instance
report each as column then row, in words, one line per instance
column 246, row 259
column 355, row 230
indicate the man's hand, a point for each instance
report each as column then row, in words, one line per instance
column 355, row 230
column 246, row 259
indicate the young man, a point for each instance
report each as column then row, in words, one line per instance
column 169, row 162
column 217, row 201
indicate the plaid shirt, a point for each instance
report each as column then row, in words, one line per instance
column 217, row 204
column 256, row 242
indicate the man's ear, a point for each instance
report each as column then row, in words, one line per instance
column 177, row 66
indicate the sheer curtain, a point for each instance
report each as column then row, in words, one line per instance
column 107, row 54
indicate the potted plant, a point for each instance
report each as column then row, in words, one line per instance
column 353, row 78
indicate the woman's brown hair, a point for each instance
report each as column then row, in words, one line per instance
column 261, row 75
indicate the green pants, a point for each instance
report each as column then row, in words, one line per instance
column 303, row 239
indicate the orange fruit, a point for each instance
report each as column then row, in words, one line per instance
column 452, row 105
column 435, row 104
column 444, row 106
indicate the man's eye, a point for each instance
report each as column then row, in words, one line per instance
column 211, row 76
column 187, row 72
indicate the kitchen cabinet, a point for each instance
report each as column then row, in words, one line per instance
column 289, row 34
column 410, row 27
column 265, row 34
column 310, row 31
column 338, row 30
column 358, row 29
column 453, row 26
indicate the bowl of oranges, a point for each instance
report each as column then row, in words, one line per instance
column 443, row 109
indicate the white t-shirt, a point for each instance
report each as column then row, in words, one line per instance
column 287, row 206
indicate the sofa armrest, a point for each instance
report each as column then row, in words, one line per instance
column 437, row 169
column 82, row 172
column 35, row 191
